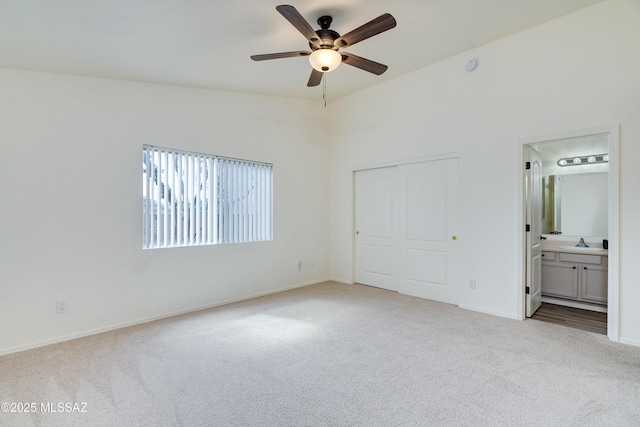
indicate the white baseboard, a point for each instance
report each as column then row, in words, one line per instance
column 346, row 282
column 491, row 312
column 140, row 321
column 630, row 341
column 575, row 304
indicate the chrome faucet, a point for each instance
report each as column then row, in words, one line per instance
column 582, row 244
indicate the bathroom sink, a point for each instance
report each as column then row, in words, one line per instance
column 576, row 248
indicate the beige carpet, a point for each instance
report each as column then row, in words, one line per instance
column 328, row 355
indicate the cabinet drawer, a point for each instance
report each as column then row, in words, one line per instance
column 548, row 256
column 582, row 259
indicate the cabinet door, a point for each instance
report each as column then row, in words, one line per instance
column 560, row 280
column 593, row 284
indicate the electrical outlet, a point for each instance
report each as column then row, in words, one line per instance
column 300, row 265
column 62, row 306
column 472, row 283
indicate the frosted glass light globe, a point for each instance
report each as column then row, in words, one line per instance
column 325, row 60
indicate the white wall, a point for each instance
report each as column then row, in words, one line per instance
column 70, row 215
column 576, row 72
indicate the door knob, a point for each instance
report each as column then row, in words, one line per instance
column 454, row 237
column 357, row 232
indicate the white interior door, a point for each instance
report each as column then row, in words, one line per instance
column 533, row 219
column 427, row 229
column 375, row 224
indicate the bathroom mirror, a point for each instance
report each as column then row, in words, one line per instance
column 575, row 204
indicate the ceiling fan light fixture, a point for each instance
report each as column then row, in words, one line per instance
column 325, row 60
column 325, row 43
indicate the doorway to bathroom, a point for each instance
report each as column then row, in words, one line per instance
column 570, row 211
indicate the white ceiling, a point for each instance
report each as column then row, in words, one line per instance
column 207, row 43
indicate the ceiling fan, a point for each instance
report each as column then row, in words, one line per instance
column 325, row 43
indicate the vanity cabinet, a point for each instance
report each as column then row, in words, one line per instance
column 575, row 276
column 559, row 280
column 593, row 284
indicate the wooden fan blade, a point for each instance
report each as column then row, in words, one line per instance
column 379, row 25
column 363, row 63
column 280, row 55
column 315, row 78
column 293, row 16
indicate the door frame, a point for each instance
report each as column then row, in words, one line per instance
column 613, row 137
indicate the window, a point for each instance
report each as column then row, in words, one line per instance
column 192, row 199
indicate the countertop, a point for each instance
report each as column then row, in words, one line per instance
column 569, row 248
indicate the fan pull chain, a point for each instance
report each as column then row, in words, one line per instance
column 324, row 89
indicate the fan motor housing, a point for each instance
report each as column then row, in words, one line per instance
column 326, row 35
column 326, row 38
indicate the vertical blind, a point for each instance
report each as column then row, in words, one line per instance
column 194, row 199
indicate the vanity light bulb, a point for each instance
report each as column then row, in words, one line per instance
column 562, row 162
column 591, row 159
column 605, row 158
column 577, row 161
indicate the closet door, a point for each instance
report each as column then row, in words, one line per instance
column 427, row 231
column 375, row 227
column 405, row 225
